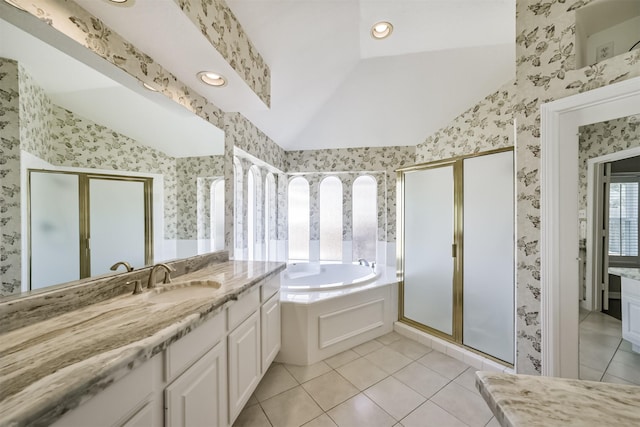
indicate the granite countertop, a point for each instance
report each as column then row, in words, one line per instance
column 52, row 365
column 524, row 400
column 629, row 273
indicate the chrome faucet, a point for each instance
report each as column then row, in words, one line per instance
column 363, row 261
column 152, row 276
column 115, row 266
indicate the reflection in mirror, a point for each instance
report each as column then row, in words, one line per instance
column 61, row 115
column 609, row 159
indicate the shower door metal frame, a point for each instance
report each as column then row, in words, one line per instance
column 457, row 247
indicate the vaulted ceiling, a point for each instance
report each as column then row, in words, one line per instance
column 332, row 84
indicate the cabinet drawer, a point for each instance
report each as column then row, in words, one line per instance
column 181, row 354
column 244, row 307
column 270, row 287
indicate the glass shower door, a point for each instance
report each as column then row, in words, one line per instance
column 117, row 223
column 488, row 255
column 428, row 237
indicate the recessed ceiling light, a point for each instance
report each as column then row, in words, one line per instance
column 212, row 79
column 125, row 3
column 14, row 4
column 149, row 87
column 381, row 30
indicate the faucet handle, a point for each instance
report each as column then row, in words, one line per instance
column 137, row 286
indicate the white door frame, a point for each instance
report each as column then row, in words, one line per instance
column 560, row 121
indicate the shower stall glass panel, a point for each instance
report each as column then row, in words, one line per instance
column 488, row 255
column 429, row 233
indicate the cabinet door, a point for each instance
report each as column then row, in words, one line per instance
column 198, row 396
column 244, row 363
column 270, row 324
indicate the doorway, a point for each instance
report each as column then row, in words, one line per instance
column 561, row 120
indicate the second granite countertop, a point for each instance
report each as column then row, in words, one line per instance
column 50, row 366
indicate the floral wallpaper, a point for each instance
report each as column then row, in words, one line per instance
column 10, row 225
column 603, row 138
column 35, row 110
column 219, row 25
column 76, row 23
column 189, row 170
column 545, row 71
column 79, row 142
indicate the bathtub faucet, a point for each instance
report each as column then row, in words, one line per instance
column 363, row 261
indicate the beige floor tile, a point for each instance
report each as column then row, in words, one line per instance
column 431, row 415
column 590, row 374
column 367, row 347
column 389, row 338
column 596, row 356
column 608, row 378
column 443, row 364
column 624, row 371
column 330, row 389
column 360, row 411
column 493, row 422
column 275, row 381
column 388, row 360
column 583, row 314
column 341, row 359
column 625, row 345
column 467, row 379
column 322, row 421
column 361, row 373
column 409, row 348
column 252, row 416
column 421, row 379
column 394, row 397
column 252, row 400
column 629, row 358
column 602, row 323
column 291, row 408
column 468, row 407
column 306, row 373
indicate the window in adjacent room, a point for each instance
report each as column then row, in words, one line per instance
column 331, row 219
column 624, row 193
column 298, row 214
column 365, row 218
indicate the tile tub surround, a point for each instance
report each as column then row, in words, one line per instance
column 52, row 366
column 524, row 400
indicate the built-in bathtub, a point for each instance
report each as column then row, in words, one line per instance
column 330, row 308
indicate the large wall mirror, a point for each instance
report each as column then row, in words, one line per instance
column 59, row 114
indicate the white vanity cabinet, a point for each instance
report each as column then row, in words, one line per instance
column 196, row 373
column 199, row 396
column 131, row 401
column 203, row 379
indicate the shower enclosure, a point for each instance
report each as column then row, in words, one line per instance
column 456, row 246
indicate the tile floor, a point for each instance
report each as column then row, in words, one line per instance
column 389, row 381
column 604, row 355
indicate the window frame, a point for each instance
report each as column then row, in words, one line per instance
column 618, row 260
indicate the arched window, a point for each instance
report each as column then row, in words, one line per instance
column 331, row 219
column 298, row 219
column 269, row 214
column 251, row 213
column 365, row 218
column 217, row 215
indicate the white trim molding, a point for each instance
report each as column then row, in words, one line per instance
column 560, row 121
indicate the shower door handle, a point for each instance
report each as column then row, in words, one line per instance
column 454, row 250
